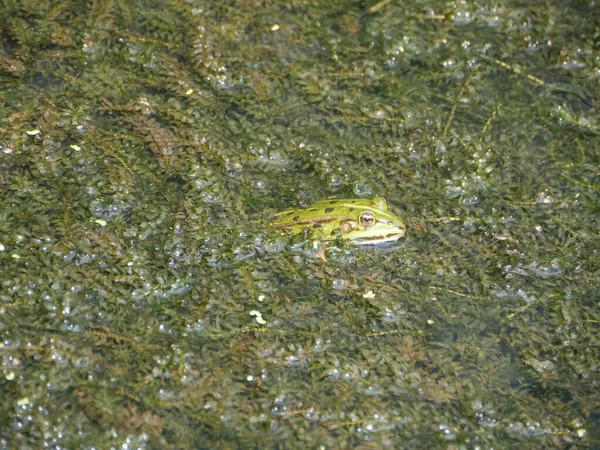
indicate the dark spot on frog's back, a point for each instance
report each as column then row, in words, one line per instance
column 333, row 202
column 296, row 218
column 351, row 209
column 329, row 210
column 317, row 225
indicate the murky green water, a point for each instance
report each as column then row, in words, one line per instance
column 143, row 145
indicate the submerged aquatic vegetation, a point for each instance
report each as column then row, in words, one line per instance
column 142, row 301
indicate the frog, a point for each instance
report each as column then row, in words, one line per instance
column 360, row 221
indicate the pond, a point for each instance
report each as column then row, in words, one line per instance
column 147, row 302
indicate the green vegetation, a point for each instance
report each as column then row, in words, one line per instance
column 143, row 145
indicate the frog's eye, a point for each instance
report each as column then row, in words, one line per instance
column 367, row 219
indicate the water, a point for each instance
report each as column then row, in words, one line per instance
column 144, row 302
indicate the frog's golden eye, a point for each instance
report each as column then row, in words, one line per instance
column 367, row 219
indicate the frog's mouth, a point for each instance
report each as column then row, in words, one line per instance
column 380, row 239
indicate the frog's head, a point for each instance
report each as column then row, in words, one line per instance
column 369, row 222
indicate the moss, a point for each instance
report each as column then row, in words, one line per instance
column 133, row 243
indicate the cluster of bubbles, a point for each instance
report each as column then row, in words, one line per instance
column 101, row 208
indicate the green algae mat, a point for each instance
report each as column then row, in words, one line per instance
column 147, row 303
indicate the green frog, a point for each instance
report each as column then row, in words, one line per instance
column 361, row 221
